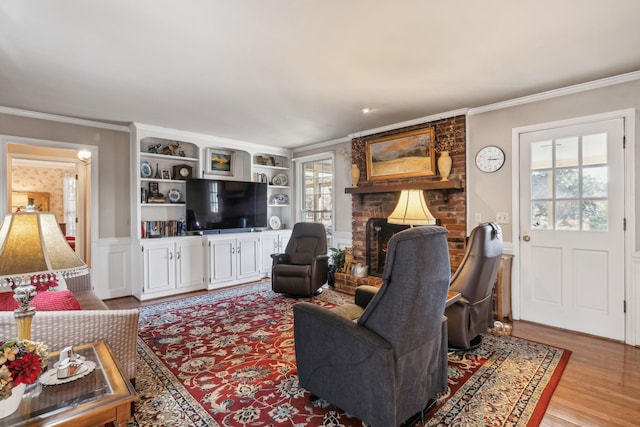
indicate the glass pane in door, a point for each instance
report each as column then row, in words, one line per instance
column 569, row 183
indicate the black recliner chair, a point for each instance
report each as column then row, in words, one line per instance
column 303, row 267
column 474, row 279
column 384, row 358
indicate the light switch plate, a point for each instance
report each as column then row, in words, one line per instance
column 502, row 217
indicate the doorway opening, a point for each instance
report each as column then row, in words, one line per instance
column 54, row 180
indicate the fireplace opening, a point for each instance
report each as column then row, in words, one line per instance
column 378, row 233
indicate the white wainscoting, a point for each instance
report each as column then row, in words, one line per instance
column 341, row 239
column 112, row 266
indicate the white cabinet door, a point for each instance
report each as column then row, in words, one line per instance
column 172, row 266
column 283, row 240
column 269, row 243
column 272, row 242
column 189, row 263
column 222, row 260
column 233, row 259
column 248, row 256
column 159, row 266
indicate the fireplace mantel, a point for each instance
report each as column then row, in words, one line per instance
column 445, row 187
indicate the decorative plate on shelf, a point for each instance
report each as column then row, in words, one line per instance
column 280, row 179
column 279, row 199
column 174, row 195
column 275, row 223
column 145, row 169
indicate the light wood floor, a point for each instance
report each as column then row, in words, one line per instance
column 600, row 385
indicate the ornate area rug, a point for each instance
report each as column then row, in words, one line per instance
column 228, row 359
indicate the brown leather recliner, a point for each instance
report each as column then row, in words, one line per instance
column 474, row 279
column 303, row 268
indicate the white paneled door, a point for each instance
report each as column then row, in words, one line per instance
column 572, row 228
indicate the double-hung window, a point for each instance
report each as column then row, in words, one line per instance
column 316, row 190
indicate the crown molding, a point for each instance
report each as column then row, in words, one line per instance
column 419, row 120
column 62, row 119
column 555, row 93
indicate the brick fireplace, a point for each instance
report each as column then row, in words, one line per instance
column 448, row 206
column 378, row 233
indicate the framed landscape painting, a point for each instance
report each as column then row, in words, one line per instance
column 219, row 162
column 404, row 155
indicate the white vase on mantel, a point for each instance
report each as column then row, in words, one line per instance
column 10, row 405
column 444, row 165
column 355, row 175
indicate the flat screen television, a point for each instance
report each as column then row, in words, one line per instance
column 216, row 205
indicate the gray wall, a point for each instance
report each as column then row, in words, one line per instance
column 491, row 193
column 113, row 163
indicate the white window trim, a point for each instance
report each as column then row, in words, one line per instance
column 300, row 179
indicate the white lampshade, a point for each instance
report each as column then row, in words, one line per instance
column 411, row 210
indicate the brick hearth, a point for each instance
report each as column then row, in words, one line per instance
column 347, row 283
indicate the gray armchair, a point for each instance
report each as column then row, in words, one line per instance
column 303, row 268
column 382, row 363
column 474, row 279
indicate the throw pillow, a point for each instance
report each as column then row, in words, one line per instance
column 43, row 301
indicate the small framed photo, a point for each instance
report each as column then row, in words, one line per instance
column 166, row 174
column 219, row 162
column 153, row 188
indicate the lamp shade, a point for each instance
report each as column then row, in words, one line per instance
column 32, row 243
column 411, row 210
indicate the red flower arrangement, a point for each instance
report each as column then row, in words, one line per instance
column 21, row 362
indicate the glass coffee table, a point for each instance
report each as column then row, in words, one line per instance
column 102, row 396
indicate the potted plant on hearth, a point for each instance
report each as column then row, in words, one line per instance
column 336, row 263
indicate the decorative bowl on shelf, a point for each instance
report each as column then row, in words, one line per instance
column 279, row 199
column 280, row 179
column 275, row 223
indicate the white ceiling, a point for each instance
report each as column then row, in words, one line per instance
column 294, row 72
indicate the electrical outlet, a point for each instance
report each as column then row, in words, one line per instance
column 502, row 217
column 478, row 217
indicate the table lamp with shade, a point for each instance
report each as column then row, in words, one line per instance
column 32, row 246
column 411, row 209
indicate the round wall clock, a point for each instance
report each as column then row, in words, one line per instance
column 490, row 158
